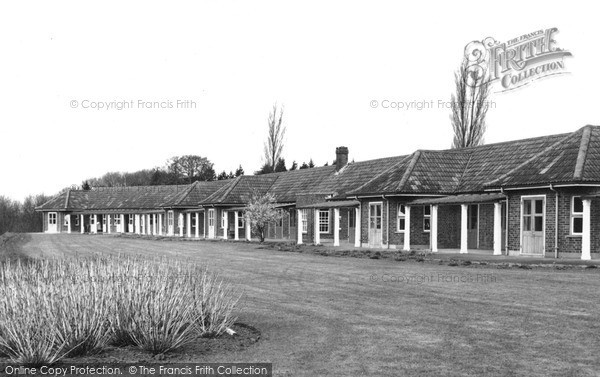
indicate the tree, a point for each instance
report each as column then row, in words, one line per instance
column 304, row 166
column 469, row 104
column 85, row 186
column 188, row 168
column 265, row 169
column 275, row 135
column 239, row 171
column 280, row 166
column 311, row 164
column 261, row 211
column 294, row 166
column 223, row 175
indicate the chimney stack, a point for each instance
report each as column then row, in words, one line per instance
column 341, row 157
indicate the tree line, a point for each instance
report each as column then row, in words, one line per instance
column 18, row 216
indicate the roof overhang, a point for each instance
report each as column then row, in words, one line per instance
column 461, row 199
column 332, row 204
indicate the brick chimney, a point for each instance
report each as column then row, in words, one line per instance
column 341, row 157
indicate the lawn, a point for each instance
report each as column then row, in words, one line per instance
column 331, row 316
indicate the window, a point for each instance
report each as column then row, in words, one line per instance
column 323, row 221
column 351, row 218
column 170, row 218
column 92, row 220
column 223, row 219
column 304, row 221
column 66, row 220
column 240, row 219
column 576, row 215
column 426, row 218
column 401, row 222
column 52, row 218
column 118, row 220
column 533, row 215
column 76, row 220
column 103, row 219
column 130, row 219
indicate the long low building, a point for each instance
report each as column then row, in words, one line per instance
column 535, row 197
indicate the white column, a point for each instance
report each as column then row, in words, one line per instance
column 204, row 223
column 226, row 225
column 236, row 231
column 123, row 225
column 160, row 224
column 69, row 224
column 95, row 230
column 248, row 229
column 137, row 224
column 317, row 234
column 188, row 219
column 336, row 227
column 497, row 228
column 180, row 224
column 434, row 228
column 197, row 229
column 464, row 230
column 108, row 217
column 299, row 226
column 406, row 228
column 357, row 231
column 82, row 225
column 587, row 230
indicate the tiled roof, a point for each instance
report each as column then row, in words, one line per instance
column 238, row 190
column 572, row 158
column 133, row 197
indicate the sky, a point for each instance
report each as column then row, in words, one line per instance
column 335, row 66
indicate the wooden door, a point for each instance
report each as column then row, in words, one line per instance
column 52, row 222
column 211, row 223
column 532, row 224
column 375, row 225
column 473, row 227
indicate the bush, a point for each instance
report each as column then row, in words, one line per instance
column 50, row 309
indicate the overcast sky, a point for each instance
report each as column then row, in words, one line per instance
column 325, row 61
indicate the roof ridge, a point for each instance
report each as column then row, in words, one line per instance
column 532, row 158
column 235, row 182
column 583, row 150
column 67, row 198
column 409, row 169
column 462, row 176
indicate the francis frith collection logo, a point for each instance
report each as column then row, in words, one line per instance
column 518, row 62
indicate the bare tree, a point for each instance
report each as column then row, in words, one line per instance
column 274, row 143
column 470, row 105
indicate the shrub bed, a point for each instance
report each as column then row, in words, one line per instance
column 55, row 308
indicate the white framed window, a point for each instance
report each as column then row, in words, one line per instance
column 76, row 220
column 66, row 220
column 304, row 221
column 52, row 218
column 401, row 218
column 130, row 219
column 426, row 218
column 223, row 219
column 323, row 221
column 104, row 219
column 576, row 216
column 117, row 219
column 92, row 219
column 240, row 219
column 170, row 218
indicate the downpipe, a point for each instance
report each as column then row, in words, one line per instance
column 556, row 196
